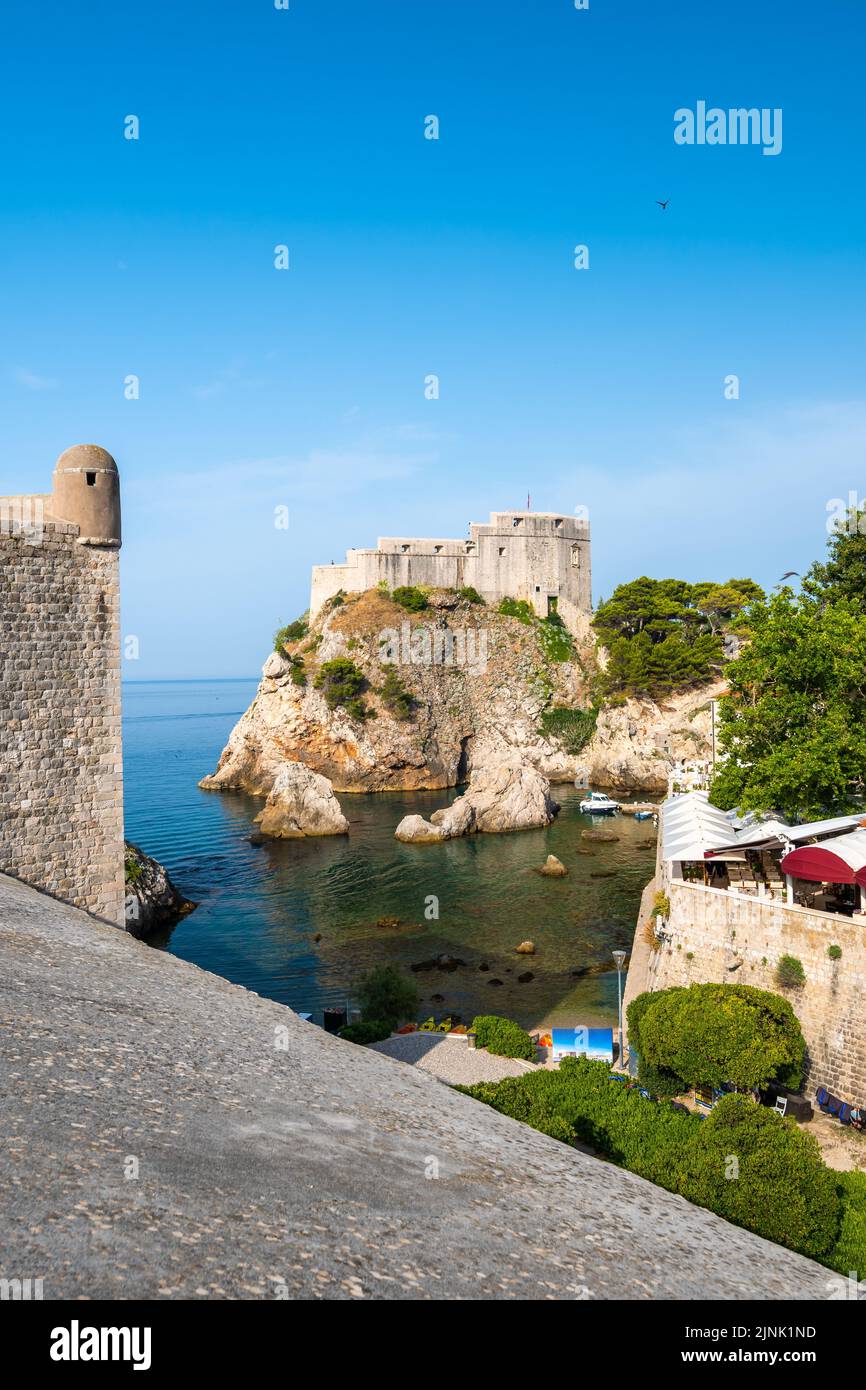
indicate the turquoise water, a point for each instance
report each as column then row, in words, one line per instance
column 261, row 907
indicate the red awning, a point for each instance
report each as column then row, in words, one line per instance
column 818, row 866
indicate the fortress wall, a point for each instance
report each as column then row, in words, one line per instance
column 710, row 930
column 541, row 557
column 61, row 790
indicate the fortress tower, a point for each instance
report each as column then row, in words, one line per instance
column 61, row 781
column 543, row 557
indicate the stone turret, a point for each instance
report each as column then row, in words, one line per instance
column 86, row 493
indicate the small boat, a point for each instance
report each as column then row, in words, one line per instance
column 597, row 804
column 643, row 815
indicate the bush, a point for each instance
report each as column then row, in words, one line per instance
column 555, row 638
column 369, row 1031
column 395, row 696
column 470, row 595
column 790, row 973
column 711, row 1035
column 410, row 598
column 502, row 1037
column 298, row 673
column 661, row 906
column 293, row 632
column 341, row 684
column 387, row 994
column 518, row 608
column 834, row 952
column 783, row 1190
column 849, row 1254
column 572, row 729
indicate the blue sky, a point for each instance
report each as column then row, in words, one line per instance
column 305, row 388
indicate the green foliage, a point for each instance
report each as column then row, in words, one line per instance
column 834, row 952
column 841, row 579
column 502, row 1037
column 341, row 684
column 711, row 1034
column 849, row 1255
column 368, row 1031
column 518, row 608
column 387, row 994
column 661, row 906
column 470, row 595
column 410, row 598
column 293, row 632
column 555, row 638
column 132, row 868
column 783, row 1191
column 664, row 634
column 297, row 671
column 571, row 728
column 793, row 725
column 395, row 696
column 790, row 973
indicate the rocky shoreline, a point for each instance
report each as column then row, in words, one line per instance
column 457, row 722
column 152, row 900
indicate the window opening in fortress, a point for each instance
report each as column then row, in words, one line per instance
column 502, row 550
column 516, row 521
column 575, row 555
column 91, row 479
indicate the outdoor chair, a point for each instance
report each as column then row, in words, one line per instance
column 781, row 1105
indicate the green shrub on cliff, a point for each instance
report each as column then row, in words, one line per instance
column 572, row 729
column 395, row 696
column 341, row 683
column 414, row 600
column 293, row 632
column 518, row 608
column 713, row 1034
column 470, row 595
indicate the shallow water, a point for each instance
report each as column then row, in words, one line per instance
column 261, row 907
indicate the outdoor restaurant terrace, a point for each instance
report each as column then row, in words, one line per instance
column 819, row 865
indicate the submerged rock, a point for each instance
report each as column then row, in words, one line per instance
column 301, row 803
column 152, row 900
column 600, row 836
column 509, row 795
column 526, row 948
column 553, row 867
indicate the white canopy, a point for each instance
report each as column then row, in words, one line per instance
column 691, row 826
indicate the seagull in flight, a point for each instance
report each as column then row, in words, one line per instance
column 664, row 204
column 789, row 574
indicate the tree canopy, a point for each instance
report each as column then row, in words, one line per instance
column 712, row 1034
column 792, row 728
column 665, row 634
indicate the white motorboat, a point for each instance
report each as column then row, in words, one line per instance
column 597, row 804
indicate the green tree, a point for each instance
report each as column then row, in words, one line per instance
column 341, row 683
column 793, row 725
column 712, row 1034
column 841, row 578
column 387, row 994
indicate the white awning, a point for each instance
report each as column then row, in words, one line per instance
column 691, row 826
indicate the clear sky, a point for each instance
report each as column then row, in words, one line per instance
column 304, row 388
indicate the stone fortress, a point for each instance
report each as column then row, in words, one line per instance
column 61, row 779
column 542, row 557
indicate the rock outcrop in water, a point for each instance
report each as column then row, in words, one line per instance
column 478, row 684
column 152, row 900
column 509, row 796
column 301, row 803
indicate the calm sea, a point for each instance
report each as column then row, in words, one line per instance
column 262, row 908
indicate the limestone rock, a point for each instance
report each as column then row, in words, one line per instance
column 301, row 803
column 553, row 867
column 152, row 900
column 509, row 796
column 526, row 948
column 599, row 836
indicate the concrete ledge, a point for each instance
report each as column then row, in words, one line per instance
column 272, row 1157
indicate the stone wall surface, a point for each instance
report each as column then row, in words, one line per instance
column 61, row 794
column 274, row 1160
column 734, row 939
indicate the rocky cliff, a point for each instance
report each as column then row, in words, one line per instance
column 152, row 900
column 479, row 684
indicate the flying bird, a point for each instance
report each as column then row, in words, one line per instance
column 661, row 204
column 789, row 574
